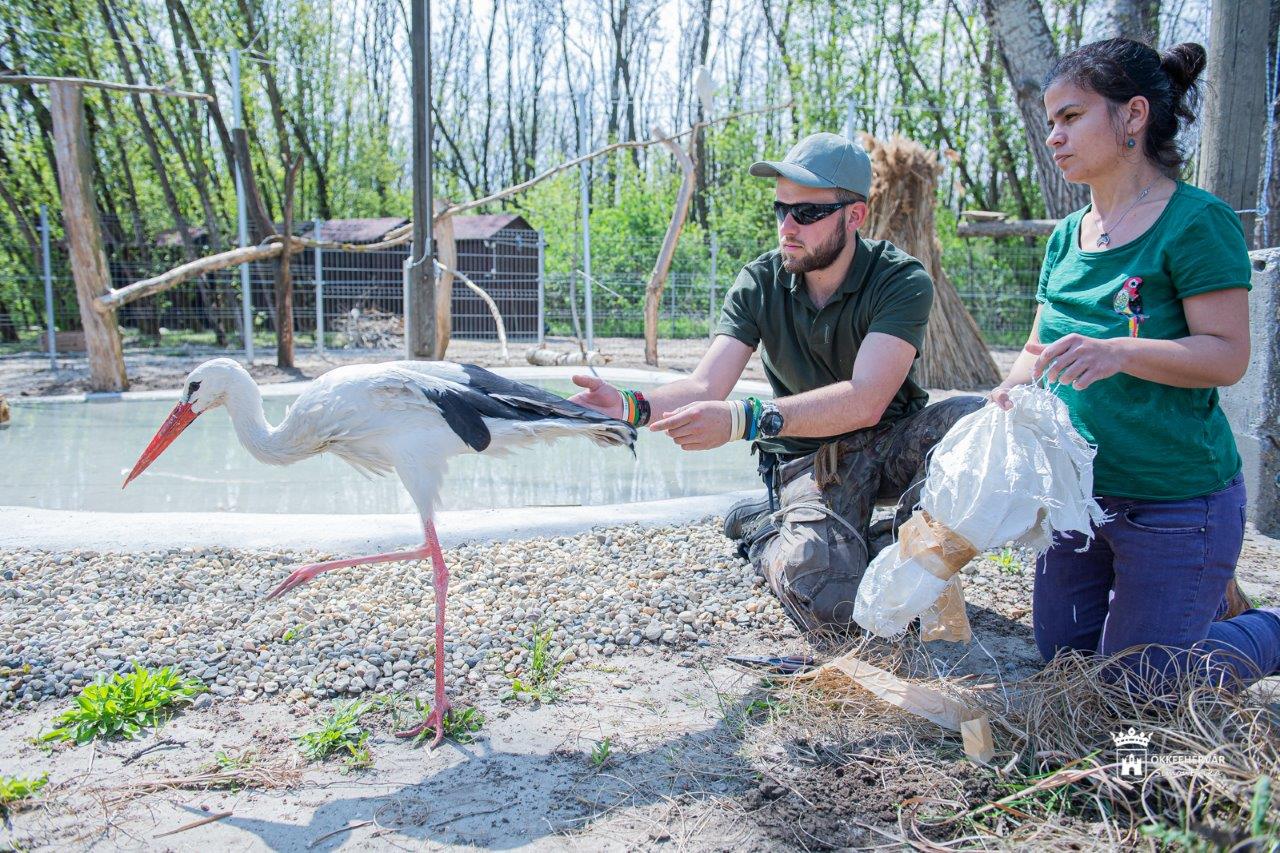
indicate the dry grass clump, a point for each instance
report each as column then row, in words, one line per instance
column 1212, row 759
column 900, row 209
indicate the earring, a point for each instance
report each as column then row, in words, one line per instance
column 1131, row 143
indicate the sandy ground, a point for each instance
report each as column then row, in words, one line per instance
column 703, row 756
column 30, row 374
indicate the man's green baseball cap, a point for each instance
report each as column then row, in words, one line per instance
column 823, row 161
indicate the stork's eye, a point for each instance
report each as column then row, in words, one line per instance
column 192, row 388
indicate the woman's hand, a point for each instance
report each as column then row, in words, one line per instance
column 698, row 426
column 600, row 396
column 1079, row 361
column 1000, row 396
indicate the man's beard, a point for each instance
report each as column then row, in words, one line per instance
column 820, row 257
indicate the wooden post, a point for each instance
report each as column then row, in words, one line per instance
column 1235, row 104
column 84, row 238
column 447, row 253
column 653, row 290
column 1252, row 405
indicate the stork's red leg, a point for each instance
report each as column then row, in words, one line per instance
column 307, row 572
column 436, row 718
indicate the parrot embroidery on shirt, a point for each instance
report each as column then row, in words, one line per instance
column 1128, row 303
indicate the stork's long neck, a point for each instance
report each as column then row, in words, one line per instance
column 268, row 444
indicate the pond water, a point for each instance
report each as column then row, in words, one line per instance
column 76, row 455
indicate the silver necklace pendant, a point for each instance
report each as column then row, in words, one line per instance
column 1104, row 240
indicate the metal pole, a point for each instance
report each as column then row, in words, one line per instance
column 48, row 286
column 542, row 289
column 319, row 271
column 420, row 309
column 585, row 173
column 242, row 215
column 715, row 252
column 851, row 122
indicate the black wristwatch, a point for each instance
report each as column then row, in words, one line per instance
column 771, row 421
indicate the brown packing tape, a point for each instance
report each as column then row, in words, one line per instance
column 973, row 725
column 947, row 619
column 979, row 745
column 933, row 705
column 940, row 551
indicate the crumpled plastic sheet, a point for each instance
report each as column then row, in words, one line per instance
column 997, row 478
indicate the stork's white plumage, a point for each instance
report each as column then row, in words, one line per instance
column 404, row 416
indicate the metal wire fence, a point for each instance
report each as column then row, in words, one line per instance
column 356, row 300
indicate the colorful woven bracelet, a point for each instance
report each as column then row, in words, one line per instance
column 635, row 408
column 753, row 418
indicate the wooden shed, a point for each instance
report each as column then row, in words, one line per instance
column 499, row 252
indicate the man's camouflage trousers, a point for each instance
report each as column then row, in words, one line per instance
column 815, row 551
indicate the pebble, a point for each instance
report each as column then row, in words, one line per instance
column 627, row 589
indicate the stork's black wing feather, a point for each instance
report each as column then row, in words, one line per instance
column 527, row 399
column 488, row 395
column 460, row 413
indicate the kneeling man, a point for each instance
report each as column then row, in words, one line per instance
column 841, row 320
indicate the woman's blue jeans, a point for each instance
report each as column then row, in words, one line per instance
column 1156, row 574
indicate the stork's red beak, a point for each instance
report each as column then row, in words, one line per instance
column 179, row 419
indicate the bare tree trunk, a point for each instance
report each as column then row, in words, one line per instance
column 1132, row 19
column 1027, row 52
column 284, row 278
column 84, row 239
column 206, row 74
column 1235, row 106
column 1267, row 228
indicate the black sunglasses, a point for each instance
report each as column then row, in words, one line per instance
column 807, row 213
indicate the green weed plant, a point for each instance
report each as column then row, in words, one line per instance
column 122, row 706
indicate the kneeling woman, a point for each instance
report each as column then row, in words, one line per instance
column 1143, row 315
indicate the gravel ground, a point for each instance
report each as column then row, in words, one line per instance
column 357, row 630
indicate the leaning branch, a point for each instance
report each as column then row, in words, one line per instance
column 212, row 263
column 488, row 300
column 28, row 79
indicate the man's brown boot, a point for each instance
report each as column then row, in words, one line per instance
column 1237, row 601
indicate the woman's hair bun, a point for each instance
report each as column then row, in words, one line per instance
column 1183, row 64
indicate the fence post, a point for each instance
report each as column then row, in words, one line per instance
column 585, row 174
column 711, row 316
column 319, row 274
column 242, row 215
column 405, row 298
column 48, row 286
column 542, row 289
column 672, row 307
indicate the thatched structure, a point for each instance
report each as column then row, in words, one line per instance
column 904, row 190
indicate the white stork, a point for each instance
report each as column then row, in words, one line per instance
column 402, row 416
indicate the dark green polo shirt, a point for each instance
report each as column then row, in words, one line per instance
column 805, row 348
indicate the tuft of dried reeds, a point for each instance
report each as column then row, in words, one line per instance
column 1212, row 754
column 904, row 189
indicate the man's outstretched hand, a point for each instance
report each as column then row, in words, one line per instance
column 600, row 396
column 697, row 426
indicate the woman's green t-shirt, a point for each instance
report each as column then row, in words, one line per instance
column 1155, row 441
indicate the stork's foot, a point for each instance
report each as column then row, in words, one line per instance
column 434, row 720
column 305, row 573
column 298, row 578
